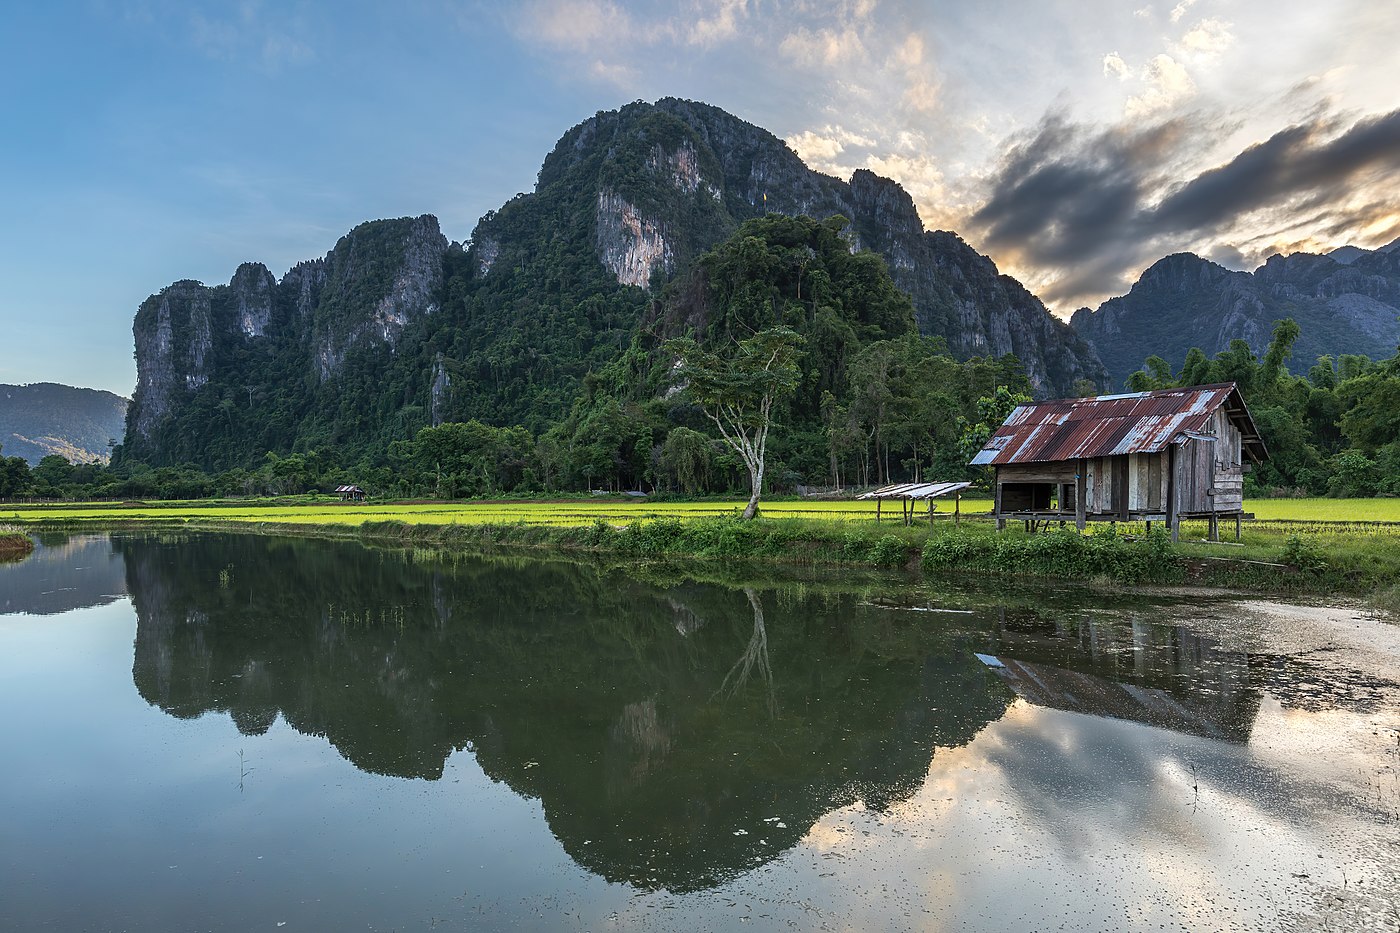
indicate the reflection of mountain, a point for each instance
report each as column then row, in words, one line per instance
column 1161, row 675
column 62, row 573
column 675, row 738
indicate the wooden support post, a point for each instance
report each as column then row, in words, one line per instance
column 930, row 513
column 1173, row 513
column 996, row 503
column 957, row 510
column 1238, row 517
column 878, row 503
column 1081, row 483
column 1214, row 527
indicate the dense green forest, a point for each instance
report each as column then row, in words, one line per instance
column 1334, row 431
column 876, row 402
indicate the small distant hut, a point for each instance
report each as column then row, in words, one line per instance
column 909, row 493
column 350, row 493
column 1161, row 456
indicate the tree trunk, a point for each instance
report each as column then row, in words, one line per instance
column 756, row 478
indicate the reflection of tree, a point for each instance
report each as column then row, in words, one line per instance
column 607, row 699
column 755, row 655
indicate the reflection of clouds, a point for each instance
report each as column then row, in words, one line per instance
column 1050, row 818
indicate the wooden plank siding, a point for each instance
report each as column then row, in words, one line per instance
column 1133, row 485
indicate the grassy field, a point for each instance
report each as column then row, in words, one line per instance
column 576, row 512
column 1324, row 546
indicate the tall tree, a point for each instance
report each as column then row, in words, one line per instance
column 738, row 391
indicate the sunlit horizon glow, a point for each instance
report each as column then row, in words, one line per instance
column 1074, row 143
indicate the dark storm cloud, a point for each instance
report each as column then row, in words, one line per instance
column 1298, row 161
column 1097, row 204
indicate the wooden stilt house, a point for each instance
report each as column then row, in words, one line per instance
column 1161, row 456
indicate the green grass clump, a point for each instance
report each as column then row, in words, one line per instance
column 1148, row 558
column 14, row 545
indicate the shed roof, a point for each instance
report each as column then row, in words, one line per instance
column 915, row 491
column 1110, row 425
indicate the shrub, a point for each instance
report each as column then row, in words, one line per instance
column 887, row 551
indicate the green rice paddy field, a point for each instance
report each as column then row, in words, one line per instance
column 1304, row 512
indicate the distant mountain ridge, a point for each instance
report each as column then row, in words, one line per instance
column 45, row 418
column 1346, row 302
column 396, row 328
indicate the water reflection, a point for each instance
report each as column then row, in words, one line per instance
column 1122, row 666
column 674, row 738
column 63, row 573
column 890, row 756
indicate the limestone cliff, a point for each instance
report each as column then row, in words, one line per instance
column 395, row 328
column 204, row 350
column 669, row 180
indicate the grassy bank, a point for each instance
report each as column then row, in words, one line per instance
column 14, row 545
column 1294, row 553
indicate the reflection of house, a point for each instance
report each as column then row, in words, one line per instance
column 1162, row 675
column 1077, row 692
column 1146, row 456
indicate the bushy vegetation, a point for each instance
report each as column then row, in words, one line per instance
column 1063, row 553
column 14, row 544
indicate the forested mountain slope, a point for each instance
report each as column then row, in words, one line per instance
column 1347, row 302
column 45, row 418
column 396, row 328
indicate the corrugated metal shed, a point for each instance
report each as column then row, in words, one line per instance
column 915, row 491
column 1110, row 425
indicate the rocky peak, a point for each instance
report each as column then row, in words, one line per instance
column 381, row 276
column 253, row 290
column 173, row 332
column 1184, row 301
column 885, row 205
column 1181, row 272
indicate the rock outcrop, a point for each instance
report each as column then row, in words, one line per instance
column 379, row 278
column 673, row 178
column 1184, row 301
column 395, row 328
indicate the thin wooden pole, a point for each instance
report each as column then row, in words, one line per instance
column 878, row 502
column 1081, row 482
column 957, row 510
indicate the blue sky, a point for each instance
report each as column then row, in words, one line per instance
column 149, row 141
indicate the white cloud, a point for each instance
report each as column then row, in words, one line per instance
column 819, row 148
column 718, row 23
column 1167, row 85
column 1208, row 39
column 1180, row 9
column 577, row 24
column 823, row 47
column 1115, row 67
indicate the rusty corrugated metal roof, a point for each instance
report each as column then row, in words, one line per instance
column 1109, row 425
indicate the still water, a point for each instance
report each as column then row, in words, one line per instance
column 219, row 732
